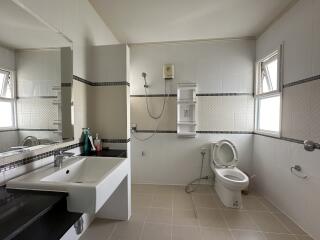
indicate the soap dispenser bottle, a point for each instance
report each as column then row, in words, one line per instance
column 97, row 143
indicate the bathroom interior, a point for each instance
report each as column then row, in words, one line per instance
column 171, row 120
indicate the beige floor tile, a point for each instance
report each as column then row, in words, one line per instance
column 159, row 215
column 164, row 200
column 268, row 205
column 215, row 234
column 141, row 200
column 184, row 217
column 164, row 189
column 99, row 229
column 203, row 189
column 253, row 203
column 127, row 230
column 154, row 231
column 179, row 189
column 182, row 201
column 267, row 222
column 247, row 235
column 289, row 224
column 211, row 218
column 239, row 220
column 166, row 212
column 143, row 188
column 275, row 236
column 303, row 237
column 205, row 201
column 139, row 214
column 186, row 233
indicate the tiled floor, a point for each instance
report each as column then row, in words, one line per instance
column 166, row 212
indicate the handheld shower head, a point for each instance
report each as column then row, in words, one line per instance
column 144, row 75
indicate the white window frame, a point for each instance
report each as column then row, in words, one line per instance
column 12, row 100
column 278, row 92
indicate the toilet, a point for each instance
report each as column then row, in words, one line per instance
column 229, row 180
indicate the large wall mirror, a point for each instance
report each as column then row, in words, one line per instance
column 35, row 82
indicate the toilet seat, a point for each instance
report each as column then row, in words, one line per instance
column 223, row 155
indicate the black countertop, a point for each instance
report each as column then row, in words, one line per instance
column 107, row 152
column 23, row 211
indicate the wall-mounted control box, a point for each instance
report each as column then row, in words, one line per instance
column 168, row 71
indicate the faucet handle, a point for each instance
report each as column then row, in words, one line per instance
column 58, row 152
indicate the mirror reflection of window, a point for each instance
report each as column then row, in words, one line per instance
column 7, row 100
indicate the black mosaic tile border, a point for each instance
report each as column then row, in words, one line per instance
column 81, row 80
column 200, row 132
column 309, row 79
column 153, row 95
column 157, row 131
column 110, row 84
column 66, row 84
column 223, row 94
column 30, row 129
column 225, row 132
column 97, row 84
column 31, row 159
column 37, row 129
column 35, row 97
column 198, row 94
column 115, row 140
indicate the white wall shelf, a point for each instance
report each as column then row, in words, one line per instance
column 186, row 109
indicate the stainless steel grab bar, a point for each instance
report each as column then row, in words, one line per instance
column 310, row 145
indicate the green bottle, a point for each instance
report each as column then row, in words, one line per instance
column 86, row 141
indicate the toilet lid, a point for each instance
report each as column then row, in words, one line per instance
column 225, row 154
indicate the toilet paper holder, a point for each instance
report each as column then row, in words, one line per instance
column 297, row 168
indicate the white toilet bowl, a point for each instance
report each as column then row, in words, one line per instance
column 229, row 180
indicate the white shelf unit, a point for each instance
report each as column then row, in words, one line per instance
column 186, row 109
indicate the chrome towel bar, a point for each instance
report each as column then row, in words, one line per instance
column 295, row 169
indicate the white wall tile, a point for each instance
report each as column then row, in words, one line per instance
column 7, row 59
column 217, row 66
column 299, row 30
column 108, row 63
column 169, row 159
column 294, row 29
column 272, row 162
column 316, row 38
column 38, row 72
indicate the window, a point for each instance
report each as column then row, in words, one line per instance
column 268, row 94
column 7, row 100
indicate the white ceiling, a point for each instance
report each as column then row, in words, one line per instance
column 137, row 21
column 19, row 29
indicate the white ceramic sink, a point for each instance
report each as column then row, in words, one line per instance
column 90, row 181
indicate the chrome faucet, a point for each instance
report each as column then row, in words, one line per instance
column 59, row 156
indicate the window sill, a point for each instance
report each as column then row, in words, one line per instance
column 8, row 129
column 268, row 133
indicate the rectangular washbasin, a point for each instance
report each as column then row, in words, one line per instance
column 89, row 181
column 85, row 171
